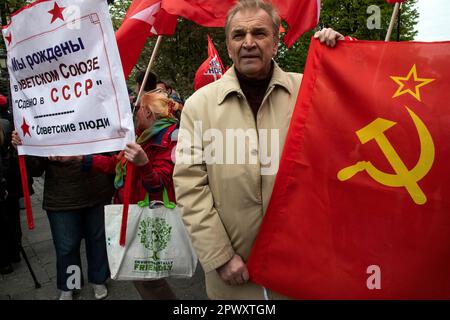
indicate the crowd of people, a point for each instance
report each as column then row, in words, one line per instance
column 222, row 206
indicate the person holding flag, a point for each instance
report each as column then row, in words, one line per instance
column 151, row 154
column 223, row 204
column 156, row 125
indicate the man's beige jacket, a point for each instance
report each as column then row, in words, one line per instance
column 223, row 190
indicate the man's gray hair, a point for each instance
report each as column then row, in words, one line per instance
column 255, row 4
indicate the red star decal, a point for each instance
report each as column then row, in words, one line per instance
column 25, row 128
column 9, row 38
column 57, row 12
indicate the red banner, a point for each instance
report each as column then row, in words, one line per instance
column 205, row 13
column 361, row 208
column 300, row 15
column 144, row 19
column 211, row 69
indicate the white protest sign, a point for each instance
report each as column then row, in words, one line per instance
column 69, row 94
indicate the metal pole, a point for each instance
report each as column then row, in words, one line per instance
column 37, row 285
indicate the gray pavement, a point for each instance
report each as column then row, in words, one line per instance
column 39, row 248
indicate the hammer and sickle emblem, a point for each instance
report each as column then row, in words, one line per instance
column 403, row 177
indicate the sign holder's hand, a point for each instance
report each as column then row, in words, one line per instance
column 15, row 139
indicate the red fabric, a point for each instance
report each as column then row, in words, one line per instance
column 211, row 13
column 126, row 196
column 26, row 192
column 3, row 101
column 144, row 19
column 394, row 1
column 321, row 235
column 156, row 173
column 210, row 70
column 300, row 15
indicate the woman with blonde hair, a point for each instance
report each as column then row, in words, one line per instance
column 151, row 154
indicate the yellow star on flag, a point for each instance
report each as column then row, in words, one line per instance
column 411, row 77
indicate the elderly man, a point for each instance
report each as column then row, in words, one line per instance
column 245, row 114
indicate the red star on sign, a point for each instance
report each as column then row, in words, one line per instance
column 57, row 12
column 25, row 128
column 9, row 38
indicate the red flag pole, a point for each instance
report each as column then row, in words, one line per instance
column 126, row 203
column 26, row 192
column 149, row 67
column 391, row 24
column 128, row 180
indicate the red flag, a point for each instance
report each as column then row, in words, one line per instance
column 211, row 69
column 3, row 100
column 212, row 13
column 394, row 1
column 360, row 206
column 144, row 19
column 300, row 15
column 26, row 192
column 126, row 205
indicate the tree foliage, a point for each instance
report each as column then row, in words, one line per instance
column 9, row 6
column 6, row 8
column 349, row 17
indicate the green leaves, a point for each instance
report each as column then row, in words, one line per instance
column 349, row 17
column 154, row 234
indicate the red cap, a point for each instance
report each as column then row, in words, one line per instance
column 3, row 101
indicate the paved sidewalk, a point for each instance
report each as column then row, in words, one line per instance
column 39, row 248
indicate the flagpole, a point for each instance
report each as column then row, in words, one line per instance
column 147, row 72
column 127, row 191
column 399, row 22
column 391, row 24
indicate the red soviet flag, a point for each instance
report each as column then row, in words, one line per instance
column 208, row 13
column 211, row 69
column 300, row 15
column 144, row 19
column 360, row 207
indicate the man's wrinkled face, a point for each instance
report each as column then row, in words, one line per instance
column 251, row 43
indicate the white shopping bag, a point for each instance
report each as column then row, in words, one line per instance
column 157, row 244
